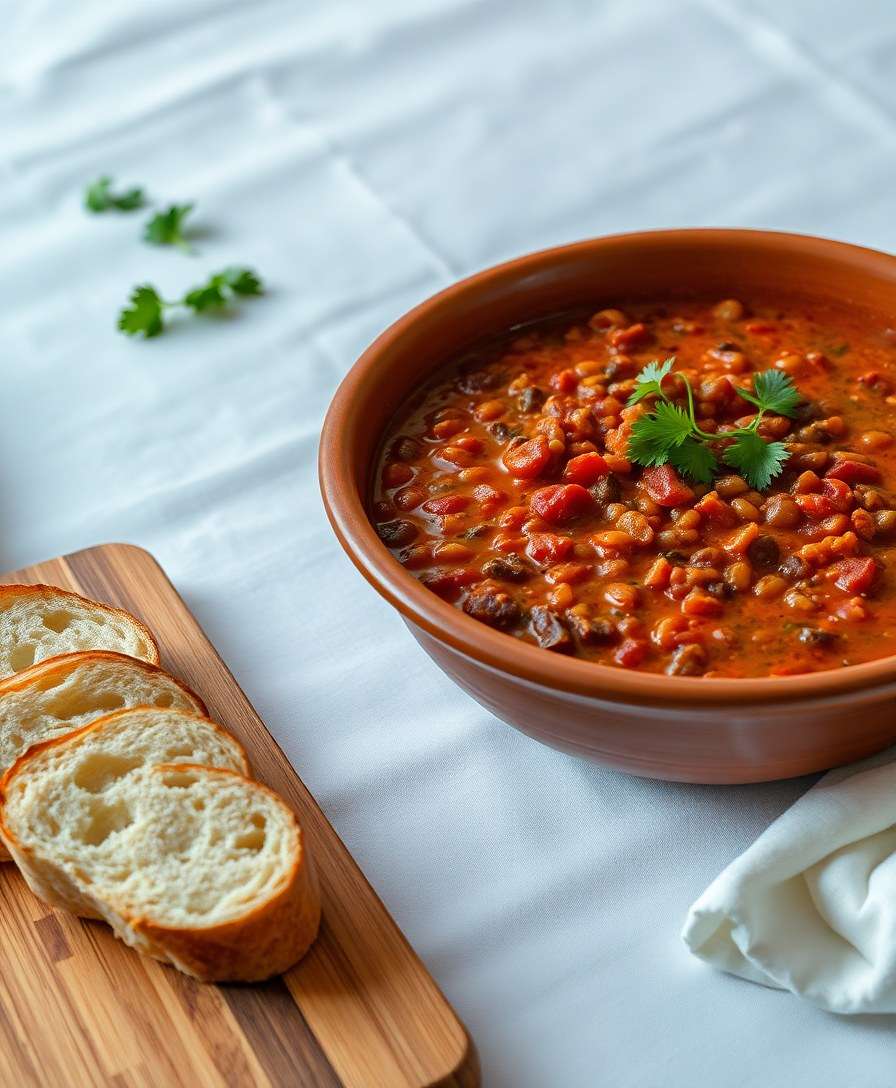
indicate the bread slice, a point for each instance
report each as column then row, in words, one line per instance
column 63, row 693
column 194, row 865
column 92, row 761
column 37, row 622
column 146, row 736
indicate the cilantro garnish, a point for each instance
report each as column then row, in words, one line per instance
column 669, row 434
column 650, row 381
column 773, row 391
column 655, row 436
column 758, row 461
column 237, row 281
column 98, row 197
column 145, row 315
column 695, row 459
column 167, row 228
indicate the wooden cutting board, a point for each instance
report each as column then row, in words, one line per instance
column 77, row 1007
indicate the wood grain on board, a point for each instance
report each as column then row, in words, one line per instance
column 77, row 1007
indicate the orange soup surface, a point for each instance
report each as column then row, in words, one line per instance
column 506, row 486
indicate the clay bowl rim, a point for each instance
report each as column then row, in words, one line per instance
column 345, row 508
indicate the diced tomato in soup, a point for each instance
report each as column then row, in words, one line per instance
column 507, row 487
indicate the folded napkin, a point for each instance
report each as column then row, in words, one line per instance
column 810, row 907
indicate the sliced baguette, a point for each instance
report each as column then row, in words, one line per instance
column 71, row 785
column 63, row 693
column 37, row 622
column 194, row 865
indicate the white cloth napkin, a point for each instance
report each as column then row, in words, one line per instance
column 810, row 907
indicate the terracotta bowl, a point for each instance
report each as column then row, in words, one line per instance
column 681, row 728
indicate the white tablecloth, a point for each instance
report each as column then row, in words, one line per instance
column 362, row 156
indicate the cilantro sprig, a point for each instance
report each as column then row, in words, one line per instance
column 167, row 228
column 145, row 314
column 669, row 434
column 98, row 197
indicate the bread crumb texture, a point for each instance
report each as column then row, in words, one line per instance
column 88, row 805
column 37, row 622
column 52, row 699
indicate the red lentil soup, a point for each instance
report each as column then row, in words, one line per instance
column 506, row 488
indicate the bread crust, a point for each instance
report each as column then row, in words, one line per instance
column 48, row 882
column 265, row 941
column 98, row 723
column 62, row 664
column 47, row 592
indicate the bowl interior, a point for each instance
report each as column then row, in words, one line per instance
column 654, row 266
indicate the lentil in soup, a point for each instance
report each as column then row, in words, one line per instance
column 506, row 486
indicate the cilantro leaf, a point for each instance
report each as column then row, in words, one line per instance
column 694, row 459
column 671, row 423
column 144, row 315
column 776, row 392
column 222, row 286
column 166, row 228
column 670, row 434
column 205, row 297
column 98, row 197
column 758, row 461
column 240, row 280
column 643, row 447
column 654, row 435
column 146, row 312
column 773, row 391
column 655, row 371
column 650, row 381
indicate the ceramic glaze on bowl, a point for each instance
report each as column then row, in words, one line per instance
column 674, row 727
